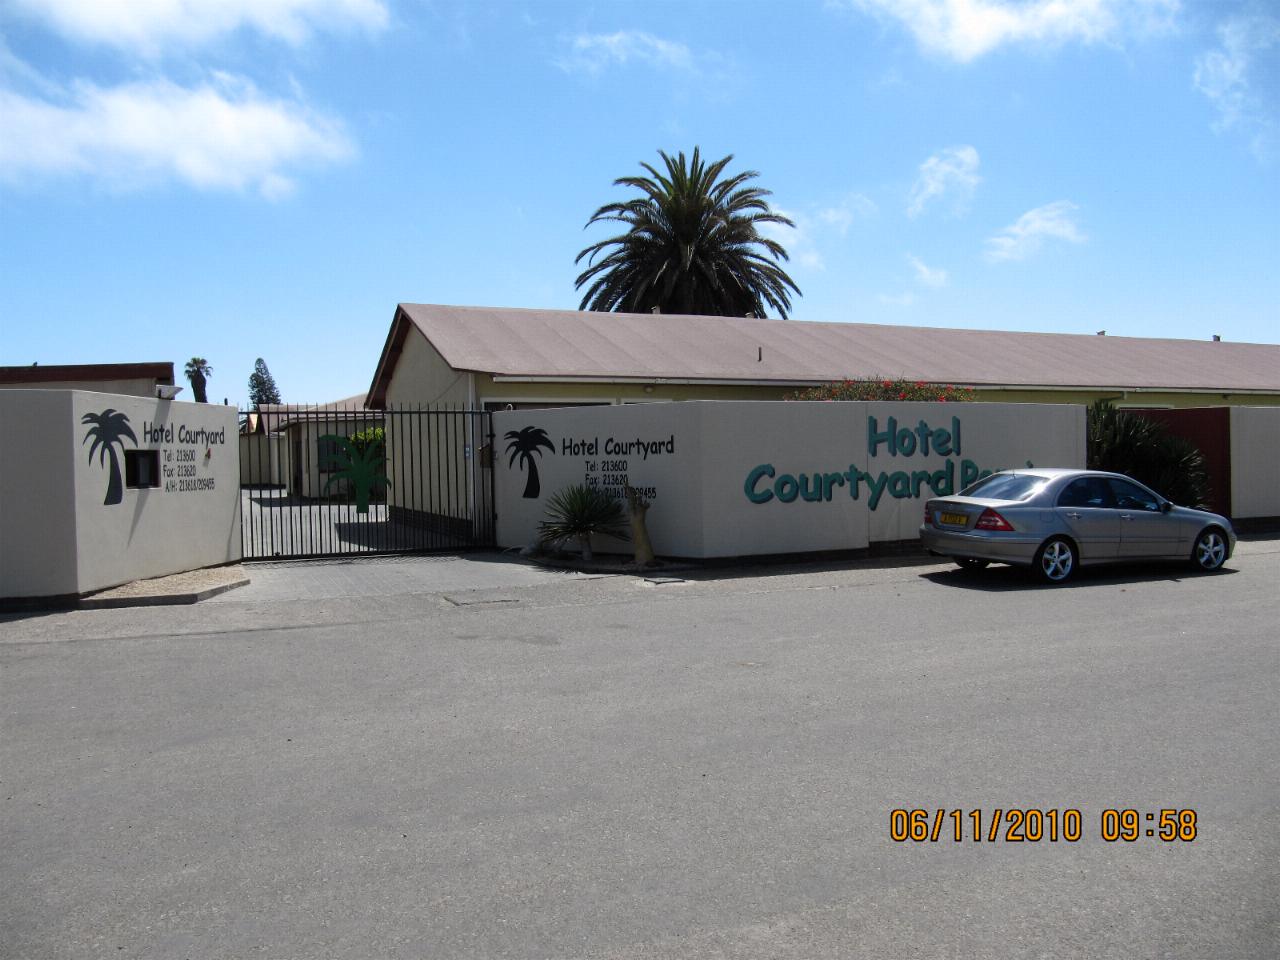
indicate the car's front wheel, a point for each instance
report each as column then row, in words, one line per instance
column 1055, row 560
column 1210, row 551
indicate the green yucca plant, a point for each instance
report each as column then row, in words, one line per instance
column 364, row 467
column 577, row 512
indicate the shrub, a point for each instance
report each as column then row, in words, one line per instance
column 1128, row 443
column 880, row 388
column 577, row 512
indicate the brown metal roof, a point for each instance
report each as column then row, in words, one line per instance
column 63, row 373
column 569, row 344
column 273, row 417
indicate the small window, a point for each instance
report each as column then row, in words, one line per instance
column 141, row 468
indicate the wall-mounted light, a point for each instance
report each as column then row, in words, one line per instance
column 167, row 391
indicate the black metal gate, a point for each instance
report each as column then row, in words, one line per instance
column 332, row 481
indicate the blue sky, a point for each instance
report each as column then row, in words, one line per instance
column 243, row 178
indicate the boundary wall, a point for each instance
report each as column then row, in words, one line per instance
column 743, row 478
column 76, row 512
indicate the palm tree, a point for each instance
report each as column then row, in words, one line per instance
column 524, row 444
column 108, row 428
column 198, row 371
column 691, row 245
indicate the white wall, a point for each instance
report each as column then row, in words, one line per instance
column 1255, row 462
column 702, row 455
column 57, row 536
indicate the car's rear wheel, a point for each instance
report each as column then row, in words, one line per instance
column 1055, row 560
column 971, row 563
column 1210, row 551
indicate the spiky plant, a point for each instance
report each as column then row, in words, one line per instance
column 1128, row 443
column 691, row 245
column 364, row 468
column 577, row 512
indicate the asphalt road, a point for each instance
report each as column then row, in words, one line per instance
column 553, row 766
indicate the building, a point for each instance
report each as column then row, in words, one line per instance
column 495, row 358
column 131, row 379
column 291, row 445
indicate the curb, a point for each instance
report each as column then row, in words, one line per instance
column 158, row 599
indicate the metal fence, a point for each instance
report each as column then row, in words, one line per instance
column 338, row 481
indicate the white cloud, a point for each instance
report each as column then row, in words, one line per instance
column 593, row 52
column 966, row 29
column 841, row 216
column 222, row 135
column 147, row 25
column 953, row 171
column 1023, row 238
column 926, row 275
column 1227, row 76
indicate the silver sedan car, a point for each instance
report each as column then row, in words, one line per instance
column 1055, row 520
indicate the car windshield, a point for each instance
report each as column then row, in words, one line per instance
column 1006, row 486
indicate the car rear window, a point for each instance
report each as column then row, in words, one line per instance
column 1006, row 486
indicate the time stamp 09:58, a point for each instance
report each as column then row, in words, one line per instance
column 1034, row 825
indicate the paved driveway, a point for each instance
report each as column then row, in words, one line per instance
column 570, row 767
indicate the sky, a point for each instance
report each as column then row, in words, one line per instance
column 235, row 179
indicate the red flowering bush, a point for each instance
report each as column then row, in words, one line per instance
column 877, row 388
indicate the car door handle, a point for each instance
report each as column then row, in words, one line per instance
column 1073, row 515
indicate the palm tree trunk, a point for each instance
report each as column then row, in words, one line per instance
column 532, row 487
column 115, row 488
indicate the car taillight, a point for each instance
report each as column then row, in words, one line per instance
column 928, row 514
column 990, row 520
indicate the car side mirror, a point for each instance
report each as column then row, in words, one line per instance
column 1166, row 506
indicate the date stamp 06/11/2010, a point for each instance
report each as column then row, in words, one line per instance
column 1035, row 825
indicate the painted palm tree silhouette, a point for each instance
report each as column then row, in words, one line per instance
column 107, row 429
column 524, row 444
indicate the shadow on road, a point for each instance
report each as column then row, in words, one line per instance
column 999, row 578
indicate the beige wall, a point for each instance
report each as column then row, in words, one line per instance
column 706, row 462
column 260, row 459
column 58, row 535
column 1129, row 398
column 38, row 463
column 135, row 387
column 1255, row 462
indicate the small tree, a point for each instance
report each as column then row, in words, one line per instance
column 198, row 372
column 880, row 388
column 262, row 386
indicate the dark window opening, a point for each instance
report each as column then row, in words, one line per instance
column 142, row 468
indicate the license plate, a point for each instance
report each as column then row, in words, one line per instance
column 955, row 519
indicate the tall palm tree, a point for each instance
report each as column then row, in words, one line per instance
column 198, row 371
column 524, row 444
column 108, row 428
column 691, row 245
